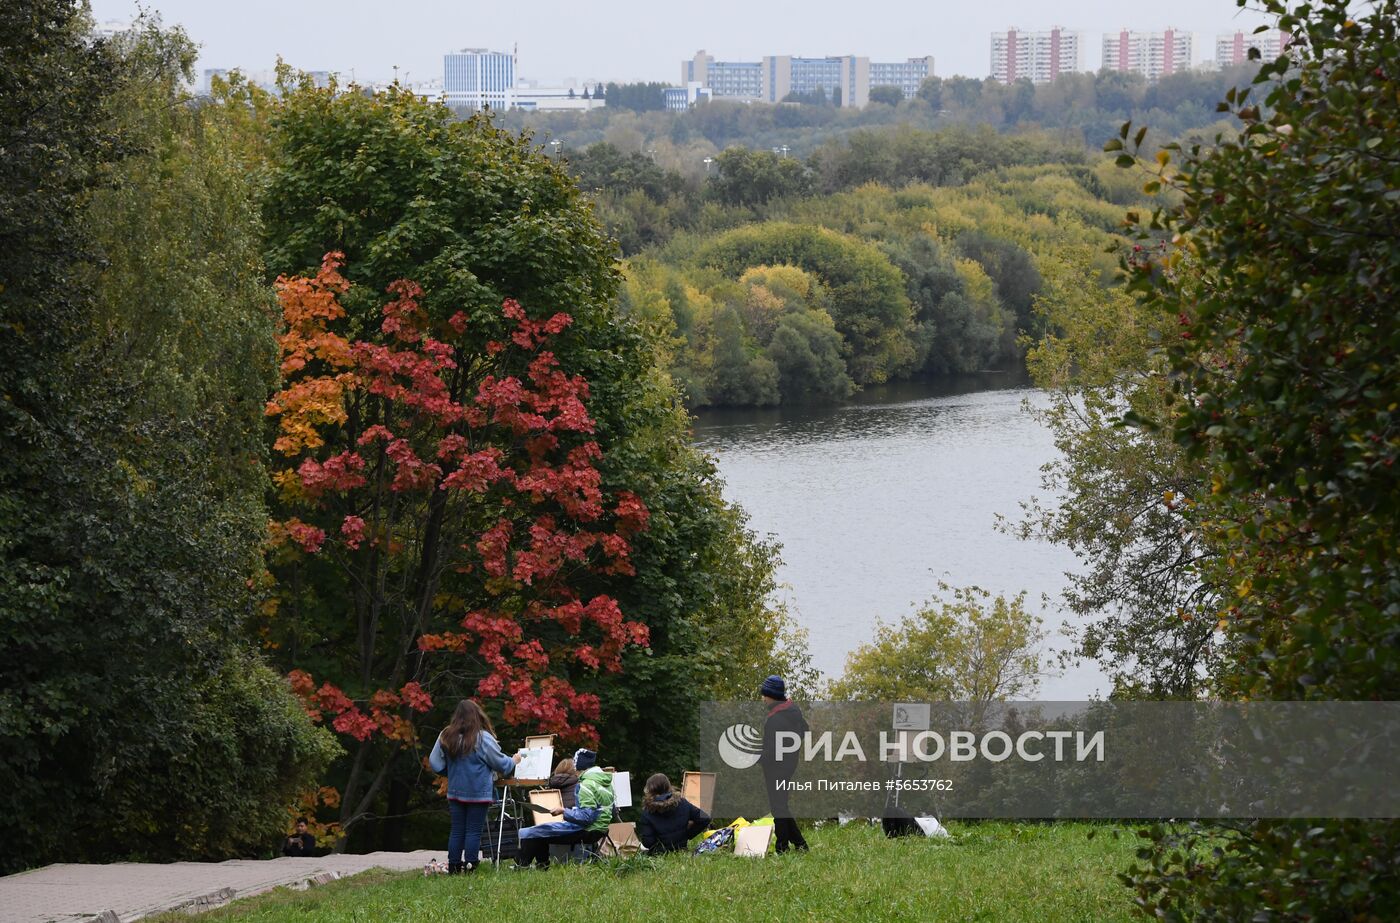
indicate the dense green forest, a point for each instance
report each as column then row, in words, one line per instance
column 799, row 252
column 887, row 254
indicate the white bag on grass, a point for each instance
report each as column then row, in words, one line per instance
column 931, row 827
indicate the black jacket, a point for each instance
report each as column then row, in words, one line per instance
column 785, row 716
column 567, row 783
column 299, row 844
column 671, row 830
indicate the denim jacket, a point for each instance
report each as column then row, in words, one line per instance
column 469, row 777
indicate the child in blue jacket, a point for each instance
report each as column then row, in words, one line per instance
column 467, row 752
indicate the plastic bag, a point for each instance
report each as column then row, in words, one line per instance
column 716, row 840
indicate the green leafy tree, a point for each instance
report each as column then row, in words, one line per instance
column 905, row 154
column 956, row 649
column 741, row 375
column 1281, row 275
column 955, row 329
column 813, row 97
column 1129, row 497
column 931, row 92
column 886, row 96
column 807, row 352
column 638, row 97
column 1014, row 272
column 868, row 300
column 752, row 178
column 136, row 341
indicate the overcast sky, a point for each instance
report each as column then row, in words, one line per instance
column 634, row 40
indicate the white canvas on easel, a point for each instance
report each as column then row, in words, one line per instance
column 535, row 763
column 622, row 789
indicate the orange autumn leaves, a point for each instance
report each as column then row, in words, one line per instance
column 311, row 402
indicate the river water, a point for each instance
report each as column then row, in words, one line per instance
column 876, row 501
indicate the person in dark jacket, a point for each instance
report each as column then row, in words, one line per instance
column 668, row 821
column 565, row 778
column 783, row 716
column 301, row 843
column 467, row 752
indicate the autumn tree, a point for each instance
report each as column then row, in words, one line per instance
column 456, row 489
column 506, row 264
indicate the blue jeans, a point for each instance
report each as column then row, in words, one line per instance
column 467, row 821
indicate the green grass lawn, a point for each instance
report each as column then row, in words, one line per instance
column 992, row 871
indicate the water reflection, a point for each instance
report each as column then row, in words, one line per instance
column 876, row 501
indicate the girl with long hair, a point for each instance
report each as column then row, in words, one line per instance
column 565, row 778
column 467, row 752
column 668, row 821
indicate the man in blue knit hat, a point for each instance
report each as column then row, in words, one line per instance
column 783, row 716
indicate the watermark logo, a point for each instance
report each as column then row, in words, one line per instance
column 740, row 746
column 1105, row 759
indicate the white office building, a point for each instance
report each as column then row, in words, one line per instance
column 679, row 99
column 738, row 80
column 907, row 75
column 1039, row 57
column 475, row 78
column 848, row 78
column 529, row 96
column 1150, row 54
column 111, row 28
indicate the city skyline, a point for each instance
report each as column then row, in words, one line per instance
column 625, row 40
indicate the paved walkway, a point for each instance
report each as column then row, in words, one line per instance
column 126, row 891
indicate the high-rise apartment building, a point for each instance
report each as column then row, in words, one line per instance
column 1035, row 56
column 475, row 78
column 848, row 78
column 1151, row 54
column 1232, row 48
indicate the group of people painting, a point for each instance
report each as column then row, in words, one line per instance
column 468, row 753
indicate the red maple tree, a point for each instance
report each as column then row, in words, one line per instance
column 445, row 507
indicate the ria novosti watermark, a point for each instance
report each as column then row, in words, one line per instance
column 740, row 746
column 1056, row 759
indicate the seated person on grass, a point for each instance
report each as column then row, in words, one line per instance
column 668, row 821
column 587, row 821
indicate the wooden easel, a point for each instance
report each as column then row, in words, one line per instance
column 699, row 789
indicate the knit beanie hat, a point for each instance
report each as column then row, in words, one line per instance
column 774, row 688
column 585, row 759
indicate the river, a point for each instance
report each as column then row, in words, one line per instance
column 877, row 500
